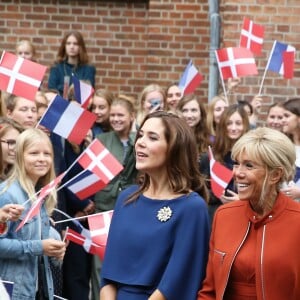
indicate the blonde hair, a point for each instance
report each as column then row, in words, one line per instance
column 26, row 139
column 29, row 44
column 210, row 114
column 271, row 148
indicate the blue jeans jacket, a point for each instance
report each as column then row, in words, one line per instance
column 19, row 251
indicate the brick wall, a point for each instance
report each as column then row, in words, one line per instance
column 133, row 43
column 281, row 21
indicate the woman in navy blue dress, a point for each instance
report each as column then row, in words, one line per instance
column 158, row 241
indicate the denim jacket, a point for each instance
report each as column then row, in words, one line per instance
column 19, row 251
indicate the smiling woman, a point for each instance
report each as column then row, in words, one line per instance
column 146, row 255
column 257, row 228
column 33, row 169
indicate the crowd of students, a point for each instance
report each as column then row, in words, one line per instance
column 164, row 209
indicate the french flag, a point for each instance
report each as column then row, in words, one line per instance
column 190, row 79
column 83, row 92
column 68, row 120
column 85, row 184
column 281, row 59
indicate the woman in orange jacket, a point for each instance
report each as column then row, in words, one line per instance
column 254, row 247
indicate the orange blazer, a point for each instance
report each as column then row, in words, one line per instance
column 277, row 266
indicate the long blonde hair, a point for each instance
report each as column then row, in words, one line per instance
column 26, row 139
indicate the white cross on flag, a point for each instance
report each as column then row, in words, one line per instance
column 235, row 62
column 99, row 228
column 220, row 176
column 20, row 76
column 252, row 36
column 100, row 161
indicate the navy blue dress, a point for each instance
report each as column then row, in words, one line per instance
column 144, row 254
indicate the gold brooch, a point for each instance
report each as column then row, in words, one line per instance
column 164, row 214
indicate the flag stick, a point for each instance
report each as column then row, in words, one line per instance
column 67, row 228
column 266, row 69
column 222, row 80
column 77, row 218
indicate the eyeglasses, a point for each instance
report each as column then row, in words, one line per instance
column 175, row 94
column 11, row 144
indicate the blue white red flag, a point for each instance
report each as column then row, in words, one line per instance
column 252, row 36
column 235, row 62
column 85, row 184
column 36, row 205
column 190, row 79
column 19, row 76
column 100, row 161
column 83, row 92
column 220, row 176
column 68, row 120
column 279, row 62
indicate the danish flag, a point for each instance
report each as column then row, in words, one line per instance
column 100, row 161
column 235, row 62
column 36, row 206
column 99, row 228
column 252, row 36
column 220, row 176
column 84, row 241
column 20, row 76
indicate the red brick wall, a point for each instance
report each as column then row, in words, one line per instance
column 281, row 21
column 133, row 43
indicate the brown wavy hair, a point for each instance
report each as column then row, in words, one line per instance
column 181, row 159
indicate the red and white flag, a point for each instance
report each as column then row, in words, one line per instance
column 235, row 62
column 20, row 76
column 99, row 228
column 100, row 161
column 252, row 36
column 36, row 205
column 83, row 92
column 84, row 241
column 85, row 184
column 190, row 79
column 288, row 64
column 220, row 176
column 68, row 120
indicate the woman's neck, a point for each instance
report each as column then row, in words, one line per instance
column 159, row 188
column 72, row 60
column 264, row 206
column 123, row 135
column 296, row 138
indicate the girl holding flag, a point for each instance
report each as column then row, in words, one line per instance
column 24, row 253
